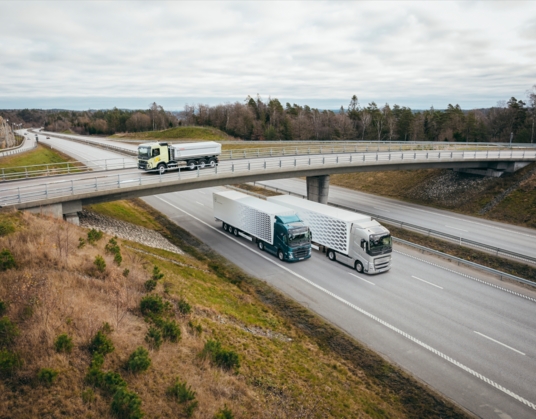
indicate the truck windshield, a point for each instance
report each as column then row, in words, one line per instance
column 380, row 244
column 144, row 152
column 298, row 237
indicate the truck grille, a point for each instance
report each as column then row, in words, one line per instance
column 142, row 164
column 300, row 253
column 381, row 263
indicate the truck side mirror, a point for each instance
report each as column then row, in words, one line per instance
column 363, row 244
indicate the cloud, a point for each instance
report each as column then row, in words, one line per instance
column 412, row 53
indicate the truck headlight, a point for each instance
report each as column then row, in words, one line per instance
column 291, row 256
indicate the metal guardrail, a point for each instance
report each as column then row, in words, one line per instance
column 323, row 148
column 56, row 189
column 500, row 274
column 430, row 232
column 18, row 149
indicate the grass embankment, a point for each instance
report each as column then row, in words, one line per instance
column 41, row 158
column 518, row 208
column 293, row 364
column 178, row 133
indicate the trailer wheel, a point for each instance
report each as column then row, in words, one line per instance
column 358, row 266
column 161, row 168
column 224, row 226
column 331, row 255
column 202, row 163
column 229, row 229
column 280, row 255
column 260, row 245
column 235, row 231
column 212, row 162
column 191, row 164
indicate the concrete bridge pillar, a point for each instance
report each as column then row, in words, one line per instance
column 318, row 188
column 66, row 210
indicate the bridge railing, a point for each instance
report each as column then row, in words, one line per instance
column 73, row 187
column 323, row 148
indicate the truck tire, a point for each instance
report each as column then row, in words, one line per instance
column 260, row 245
column 229, row 229
column 212, row 162
column 236, row 231
column 191, row 164
column 224, row 226
column 280, row 255
column 161, row 168
column 202, row 163
column 332, row 255
column 358, row 266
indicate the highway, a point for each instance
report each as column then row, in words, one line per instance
column 469, row 336
column 510, row 237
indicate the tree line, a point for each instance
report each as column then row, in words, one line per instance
column 258, row 119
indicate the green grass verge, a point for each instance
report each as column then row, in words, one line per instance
column 318, row 355
column 41, row 155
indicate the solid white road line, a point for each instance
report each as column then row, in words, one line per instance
column 369, row 315
column 362, row 279
column 429, row 283
column 454, row 228
column 500, row 343
column 197, row 202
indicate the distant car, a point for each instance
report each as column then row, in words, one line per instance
column 25, row 133
column 48, row 138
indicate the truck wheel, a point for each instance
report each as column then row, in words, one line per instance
column 191, row 164
column 229, row 229
column 161, row 168
column 212, row 162
column 224, row 226
column 280, row 255
column 331, row 255
column 202, row 164
column 236, row 231
column 358, row 266
column 260, row 245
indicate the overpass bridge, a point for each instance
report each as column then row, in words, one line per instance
column 65, row 196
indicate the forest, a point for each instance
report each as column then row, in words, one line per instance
column 268, row 120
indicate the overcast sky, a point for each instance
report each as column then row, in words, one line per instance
column 100, row 54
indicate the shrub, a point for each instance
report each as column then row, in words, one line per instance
column 9, row 362
column 6, row 227
column 8, row 332
column 63, row 343
column 47, row 376
column 181, row 392
column 94, row 236
column 97, row 361
column 224, row 413
column 111, row 247
column 157, row 274
column 153, row 305
column 101, row 344
column 126, row 272
column 7, row 261
column 99, row 263
column 223, row 358
column 153, row 338
column 183, row 306
column 196, row 328
column 139, row 360
column 112, row 382
column 118, row 259
column 150, row 285
column 81, row 242
column 3, row 308
column 88, row 395
column 170, row 330
column 126, row 405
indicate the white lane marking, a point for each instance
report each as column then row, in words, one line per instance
column 197, row 202
column 362, row 279
column 429, row 283
column 467, row 276
column 500, row 343
column 455, row 228
column 369, row 315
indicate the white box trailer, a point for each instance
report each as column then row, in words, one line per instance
column 275, row 228
column 349, row 237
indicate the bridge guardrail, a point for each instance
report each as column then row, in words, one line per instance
column 430, row 232
column 258, row 166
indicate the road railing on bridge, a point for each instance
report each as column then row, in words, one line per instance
column 254, row 167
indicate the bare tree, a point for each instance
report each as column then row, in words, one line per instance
column 366, row 118
column 532, row 102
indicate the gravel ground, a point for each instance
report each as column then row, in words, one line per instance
column 126, row 231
